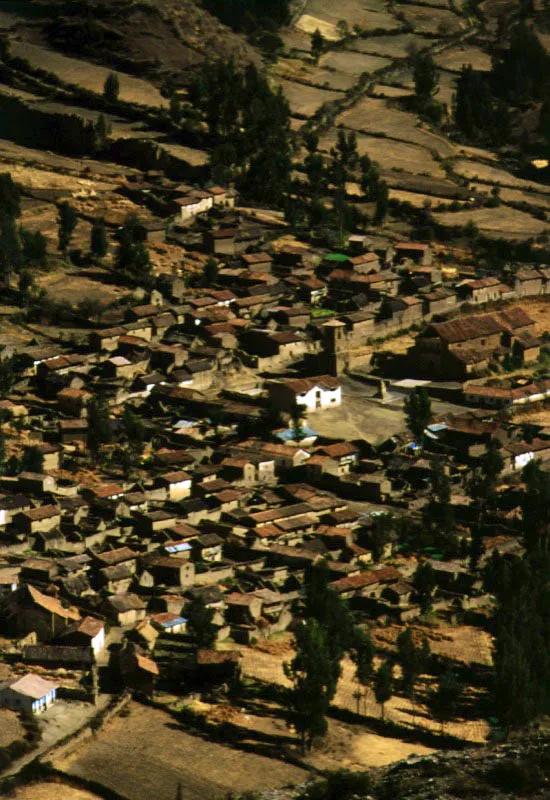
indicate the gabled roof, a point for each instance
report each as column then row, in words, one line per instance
column 32, row 686
column 464, row 328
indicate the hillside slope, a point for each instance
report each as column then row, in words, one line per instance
column 155, row 38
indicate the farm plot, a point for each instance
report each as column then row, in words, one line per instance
column 484, row 173
column 394, row 155
column 88, row 76
column 504, row 222
column 516, row 196
column 455, row 58
column 423, row 184
column 147, row 755
column 355, row 12
column 416, row 199
column 52, row 791
column 351, row 63
column 398, row 46
column 305, row 100
column 268, row 667
column 374, row 115
column 294, row 69
column 433, row 20
column 294, row 39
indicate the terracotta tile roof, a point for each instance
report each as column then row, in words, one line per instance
column 364, row 579
column 464, row 328
column 52, row 605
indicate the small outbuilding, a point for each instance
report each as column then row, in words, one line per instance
column 30, row 693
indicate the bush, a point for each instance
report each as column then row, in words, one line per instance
column 340, row 785
column 516, row 777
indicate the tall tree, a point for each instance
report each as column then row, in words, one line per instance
column 100, row 430
column 11, row 256
column 310, row 673
column 317, row 45
column 134, row 430
column 425, row 76
column 66, row 223
column 200, row 624
column 362, row 655
column 535, row 508
column 111, row 87
column 132, row 261
column 383, row 685
column 34, row 247
column 424, row 583
column 99, row 243
column 32, row 459
column 418, row 411
column 410, row 659
column 10, row 204
column 446, row 698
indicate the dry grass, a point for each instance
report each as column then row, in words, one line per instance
column 351, row 63
column 306, row 100
column 375, row 115
column 392, row 155
column 355, row 12
column 88, row 76
column 416, row 199
column 454, row 58
column 147, row 754
column 516, row 196
column 464, row 644
column 484, row 173
column 52, row 791
column 504, row 222
column 294, row 69
column 11, row 729
column 432, row 20
column 397, row 46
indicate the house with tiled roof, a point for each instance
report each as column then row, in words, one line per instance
column 321, row 391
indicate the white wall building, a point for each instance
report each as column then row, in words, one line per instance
column 30, row 693
column 322, row 391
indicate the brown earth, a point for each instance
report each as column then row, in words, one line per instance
column 52, row 791
column 147, row 754
column 11, row 729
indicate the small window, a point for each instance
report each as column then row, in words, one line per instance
column 483, row 341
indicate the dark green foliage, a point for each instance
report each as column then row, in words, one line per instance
column 99, row 244
column 424, row 583
column 446, row 698
column 425, row 75
column 317, row 44
column 535, row 508
column 249, row 15
column 418, row 411
column 8, row 374
column 311, row 672
column 249, row 130
column 66, row 221
column 362, row 654
column 175, row 109
column 11, row 256
column 340, row 785
column 132, row 262
column 413, row 659
column 383, row 684
column 200, row 627
column 521, row 73
column 482, row 485
column 111, row 87
column 34, row 247
column 2, row 451
column 102, row 131
column 9, row 196
column 521, row 654
column 210, row 272
column 99, row 424
column 324, row 605
column 478, row 113
column 32, row 460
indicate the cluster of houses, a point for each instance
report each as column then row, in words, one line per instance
column 238, row 496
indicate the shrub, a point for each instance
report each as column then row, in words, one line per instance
column 516, row 777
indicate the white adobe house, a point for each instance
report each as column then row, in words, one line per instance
column 196, row 203
column 30, row 693
column 177, row 484
column 321, row 391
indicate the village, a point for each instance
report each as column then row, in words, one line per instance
column 211, row 444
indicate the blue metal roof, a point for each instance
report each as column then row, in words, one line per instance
column 177, row 548
column 173, row 622
column 290, row 434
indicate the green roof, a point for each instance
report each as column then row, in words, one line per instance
column 336, row 257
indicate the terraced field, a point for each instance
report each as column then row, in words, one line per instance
column 364, row 82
